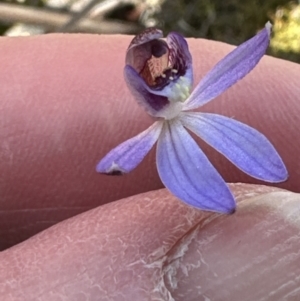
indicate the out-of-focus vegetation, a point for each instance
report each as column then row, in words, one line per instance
column 231, row 21
column 234, row 21
column 286, row 40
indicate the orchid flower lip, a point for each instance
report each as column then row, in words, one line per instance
column 159, row 75
column 159, row 72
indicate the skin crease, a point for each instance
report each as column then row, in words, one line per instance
column 64, row 105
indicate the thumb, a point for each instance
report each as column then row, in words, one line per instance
column 153, row 247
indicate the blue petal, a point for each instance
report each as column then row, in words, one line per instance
column 229, row 70
column 187, row 173
column 130, row 153
column 152, row 103
column 244, row 146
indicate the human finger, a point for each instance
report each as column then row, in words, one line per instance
column 152, row 246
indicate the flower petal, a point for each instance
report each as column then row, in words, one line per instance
column 150, row 101
column 130, row 153
column 143, row 46
column 244, row 146
column 229, row 70
column 187, row 173
column 180, row 57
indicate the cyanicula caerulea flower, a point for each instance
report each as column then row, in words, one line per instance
column 159, row 74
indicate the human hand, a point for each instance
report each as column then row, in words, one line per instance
column 64, row 105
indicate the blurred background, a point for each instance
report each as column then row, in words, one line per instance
column 231, row 21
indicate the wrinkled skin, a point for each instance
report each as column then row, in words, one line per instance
column 64, row 104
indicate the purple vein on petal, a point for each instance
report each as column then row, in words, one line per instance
column 187, row 173
column 126, row 156
column 180, row 56
column 230, row 69
column 244, row 146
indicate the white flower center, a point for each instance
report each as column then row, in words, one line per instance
column 179, row 91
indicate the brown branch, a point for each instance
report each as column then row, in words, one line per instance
column 12, row 13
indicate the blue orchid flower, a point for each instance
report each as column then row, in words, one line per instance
column 159, row 74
